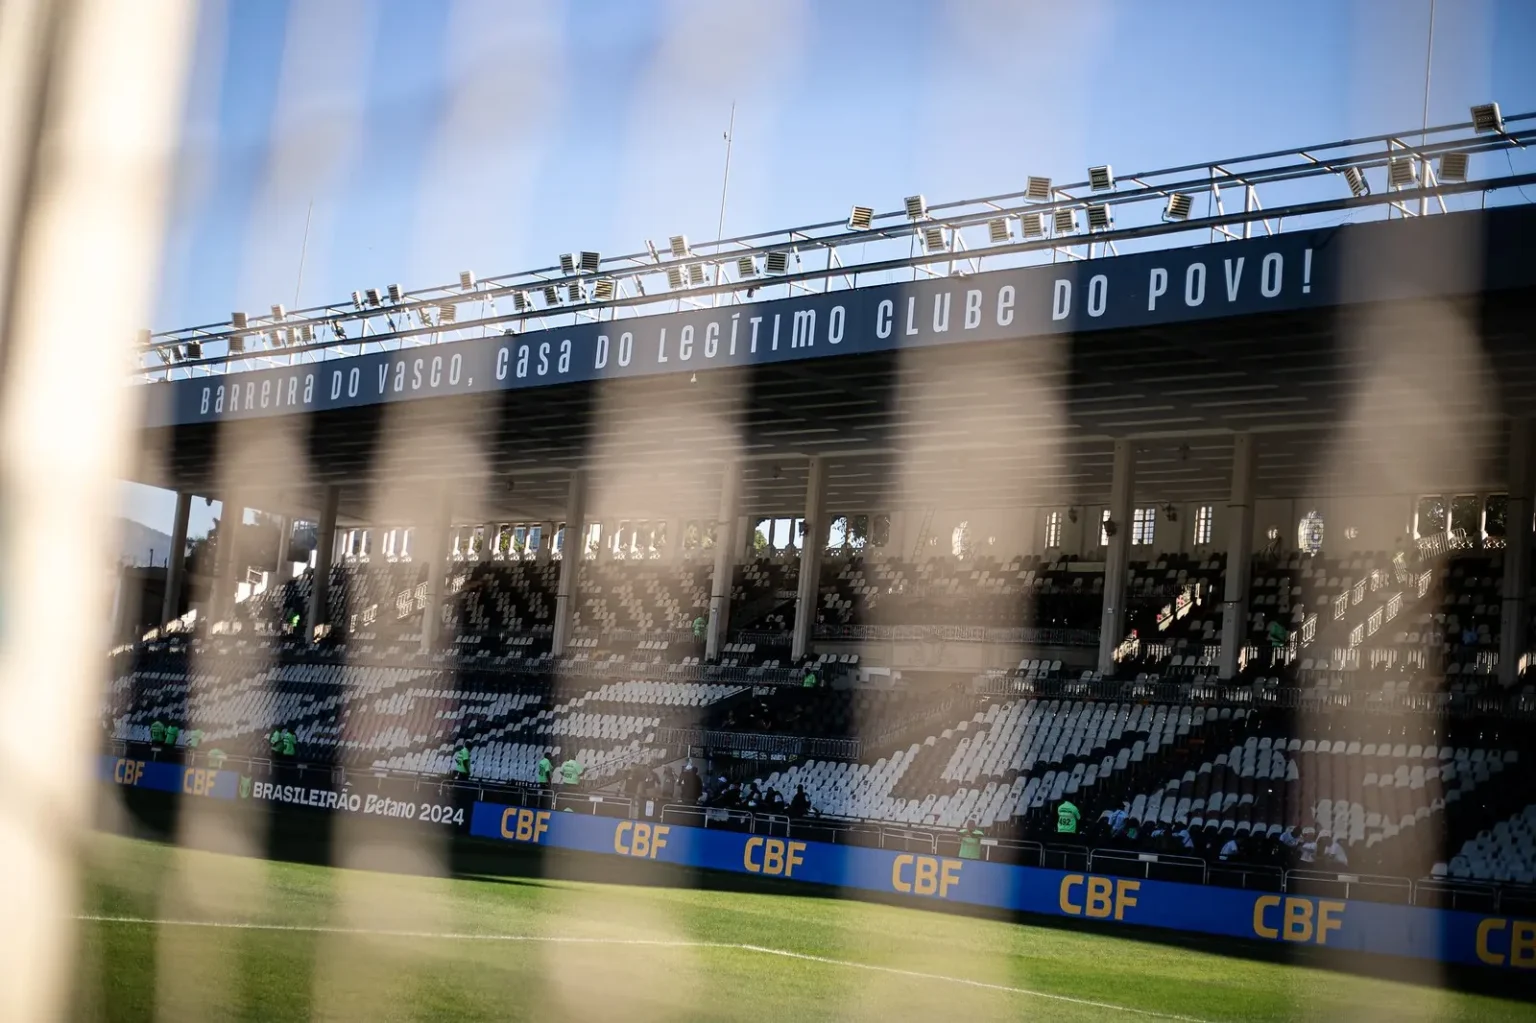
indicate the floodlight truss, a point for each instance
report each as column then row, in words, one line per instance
column 1225, row 199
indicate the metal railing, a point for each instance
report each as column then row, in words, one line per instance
column 761, row 742
column 1018, row 636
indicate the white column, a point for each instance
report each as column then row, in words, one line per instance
column 325, row 550
column 1513, row 614
column 176, row 560
column 434, row 547
column 726, row 544
column 811, row 548
column 1234, row 606
column 221, row 600
column 572, row 555
column 1116, row 555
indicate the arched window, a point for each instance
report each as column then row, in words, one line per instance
column 1309, row 533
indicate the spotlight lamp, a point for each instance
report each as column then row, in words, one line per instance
column 590, row 262
column 307, row 333
column 1100, row 218
column 1486, row 119
column 567, row 262
column 551, row 296
column 998, row 230
column 1402, row 172
column 372, row 295
column 192, row 350
column 1355, row 178
column 237, row 345
column 679, row 244
column 238, row 320
column 696, row 276
column 522, row 301
column 447, row 313
column 1033, row 225
column 144, row 338
column 1101, row 179
column 357, row 300
column 861, row 218
column 466, row 279
column 1065, row 220
column 916, row 207
column 573, row 293
column 279, row 313
column 675, row 279
column 605, row 289
column 746, row 266
column 934, row 239
column 1179, row 206
column 777, row 263
column 396, row 295
column 1454, row 165
column 1037, row 189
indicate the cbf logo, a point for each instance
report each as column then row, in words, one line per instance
column 245, row 786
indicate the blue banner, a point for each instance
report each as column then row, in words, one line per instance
column 159, row 777
column 1349, row 925
column 1448, row 254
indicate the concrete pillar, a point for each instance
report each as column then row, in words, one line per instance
column 221, row 599
column 325, row 550
column 812, row 547
column 573, row 553
column 1117, row 555
column 1234, row 605
column 434, row 548
column 1514, row 612
column 725, row 560
column 176, row 560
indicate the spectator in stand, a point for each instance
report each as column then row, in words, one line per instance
column 1289, row 842
column 700, row 633
column 461, row 762
column 688, row 784
column 810, row 681
column 1333, row 853
column 276, row 742
column 773, row 802
column 1469, row 635
column 1307, row 850
column 1185, row 839
column 545, row 768
column 800, row 806
column 1067, row 817
column 970, row 841
column 1229, row 850
column 1117, row 818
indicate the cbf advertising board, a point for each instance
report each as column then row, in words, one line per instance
column 1348, row 925
column 1451, row 254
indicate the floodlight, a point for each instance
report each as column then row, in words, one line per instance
column 357, row 299
column 1037, row 189
column 861, row 218
column 1486, row 119
column 551, row 296
column 1179, row 205
column 746, row 266
column 679, row 243
column 1033, row 225
column 590, row 261
column 605, row 289
column 307, row 333
column 395, row 294
column 567, row 262
column 144, row 336
column 1401, row 172
column 675, row 279
column 916, row 206
column 1099, row 218
column 934, row 239
column 237, row 345
column 1066, row 220
column 1355, row 177
column 279, row 313
column 192, row 350
column 1453, row 166
column 998, row 230
column 696, row 274
column 776, row 263
column 573, row 293
column 1101, row 179
column 372, row 295
column 238, row 321
column 466, row 279
column 447, row 313
column 522, row 301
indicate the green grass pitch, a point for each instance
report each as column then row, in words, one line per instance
column 168, row 933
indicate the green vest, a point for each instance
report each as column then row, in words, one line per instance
column 290, row 743
column 461, row 759
column 157, row 732
column 171, row 732
column 542, row 772
column 699, row 626
column 277, row 740
column 1066, row 819
column 216, row 758
column 570, row 771
column 809, row 682
column 970, row 844
column 194, row 738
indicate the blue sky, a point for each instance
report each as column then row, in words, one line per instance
column 434, row 136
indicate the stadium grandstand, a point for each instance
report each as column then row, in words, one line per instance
column 1108, row 522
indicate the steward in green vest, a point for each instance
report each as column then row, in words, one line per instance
column 1067, row 818
column 543, row 770
column 157, row 732
column 809, row 682
column 216, row 758
column 171, row 733
column 700, row 626
column 194, row 738
column 461, row 762
column 570, row 772
column 290, row 743
column 970, row 841
column 276, row 738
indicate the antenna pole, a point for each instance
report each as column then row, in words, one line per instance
column 725, row 185
column 303, row 249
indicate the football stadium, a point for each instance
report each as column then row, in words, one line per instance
column 1107, row 597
